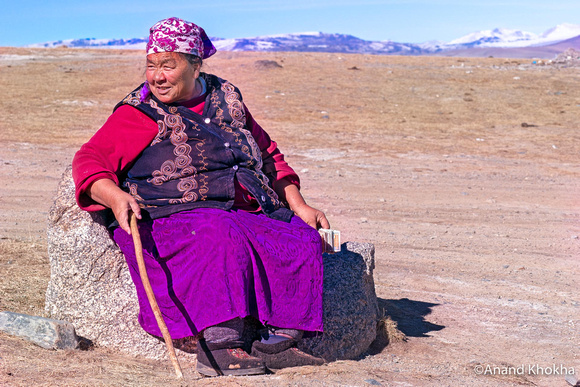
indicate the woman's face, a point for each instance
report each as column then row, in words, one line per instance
column 171, row 77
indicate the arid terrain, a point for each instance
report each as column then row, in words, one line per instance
column 464, row 174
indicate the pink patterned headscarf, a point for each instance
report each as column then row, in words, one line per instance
column 178, row 35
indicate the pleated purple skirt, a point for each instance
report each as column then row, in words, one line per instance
column 207, row 266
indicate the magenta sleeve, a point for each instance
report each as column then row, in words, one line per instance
column 275, row 167
column 111, row 151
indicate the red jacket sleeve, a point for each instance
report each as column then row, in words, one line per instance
column 275, row 167
column 111, row 151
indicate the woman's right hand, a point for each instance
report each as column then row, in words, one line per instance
column 122, row 204
column 108, row 193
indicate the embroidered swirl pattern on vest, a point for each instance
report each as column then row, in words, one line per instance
column 219, row 116
column 133, row 191
column 132, row 99
column 236, row 112
column 181, row 167
column 235, row 107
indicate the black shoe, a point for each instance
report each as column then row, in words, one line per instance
column 283, row 354
column 221, row 359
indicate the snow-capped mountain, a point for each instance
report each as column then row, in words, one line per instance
column 498, row 36
column 316, row 42
column 561, row 32
column 131, row 44
column 501, row 37
column 307, row 42
column 341, row 43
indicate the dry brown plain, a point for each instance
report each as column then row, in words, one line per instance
column 463, row 172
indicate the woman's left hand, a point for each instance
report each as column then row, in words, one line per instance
column 312, row 216
column 291, row 194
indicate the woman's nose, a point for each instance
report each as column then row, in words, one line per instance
column 159, row 75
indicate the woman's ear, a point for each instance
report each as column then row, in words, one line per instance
column 196, row 69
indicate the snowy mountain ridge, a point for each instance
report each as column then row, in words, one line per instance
column 342, row 43
column 501, row 37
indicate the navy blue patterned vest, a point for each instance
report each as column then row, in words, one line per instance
column 194, row 159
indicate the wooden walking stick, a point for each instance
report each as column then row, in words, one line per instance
column 151, row 296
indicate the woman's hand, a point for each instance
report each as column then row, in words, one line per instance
column 290, row 193
column 121, row 205
column 312, row 216
column 106, row 192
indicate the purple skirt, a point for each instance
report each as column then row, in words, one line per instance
column 207, row 266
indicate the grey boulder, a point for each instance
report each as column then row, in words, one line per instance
column 90, row 285
column 349, row 302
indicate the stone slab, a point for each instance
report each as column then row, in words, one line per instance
column 45, row 332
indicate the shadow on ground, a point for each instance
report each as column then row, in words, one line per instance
column 399, row 320
column 409, row 316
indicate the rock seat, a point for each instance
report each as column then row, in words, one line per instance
column 90, row 287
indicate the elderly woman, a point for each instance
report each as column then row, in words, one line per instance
column 227, row 236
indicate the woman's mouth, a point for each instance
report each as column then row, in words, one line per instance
column 163, row 89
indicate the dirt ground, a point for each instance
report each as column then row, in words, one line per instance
column 464, row 174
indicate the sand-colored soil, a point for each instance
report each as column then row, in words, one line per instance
column 464, row 173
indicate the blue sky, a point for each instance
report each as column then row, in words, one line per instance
column 26, row 22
